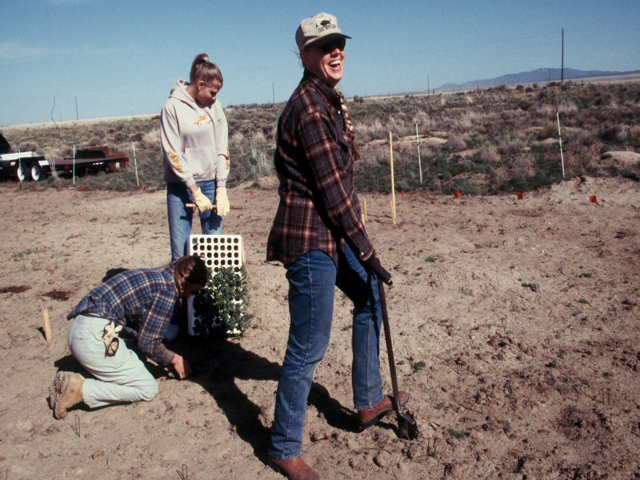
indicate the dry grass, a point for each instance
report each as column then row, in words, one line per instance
column 491, row 141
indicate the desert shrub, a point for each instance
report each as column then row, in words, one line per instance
column 455, row 143
column 541, row 178
column 367, row 131
column 28, row 146
column 135, row 137
column 151, row 139
column 518, row 182
column 488, row 154
column 524, row 104
column 95, row 141
column 547, row 130
column 603, row 99
column 397, row 126
column 630, row 174
column 508, row 145
column 613, row 133
column 424, row 121
column 524, row 164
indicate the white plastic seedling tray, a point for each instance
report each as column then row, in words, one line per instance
column 218, row 251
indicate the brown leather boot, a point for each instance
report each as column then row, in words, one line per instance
column 294, row 468
column 370, row 416
column 65, row 392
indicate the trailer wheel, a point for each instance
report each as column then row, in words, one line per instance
column 22, row 172
column 36, row 172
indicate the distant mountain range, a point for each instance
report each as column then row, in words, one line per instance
column 541, row 75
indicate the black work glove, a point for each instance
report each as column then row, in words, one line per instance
column 372, row 264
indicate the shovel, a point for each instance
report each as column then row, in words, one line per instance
column 407, row 426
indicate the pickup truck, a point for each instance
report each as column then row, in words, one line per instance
column 28, row 165
column 22, row 165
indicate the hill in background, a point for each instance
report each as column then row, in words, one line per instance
column 541, row 75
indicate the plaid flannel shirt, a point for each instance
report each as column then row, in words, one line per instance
column 318, row 208
column 140, row 300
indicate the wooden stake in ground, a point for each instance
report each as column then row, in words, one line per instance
column 364, row 211
column 419, row 160
column 135, row 163
column 560, row 140
column 393, row 186
column 47, row 325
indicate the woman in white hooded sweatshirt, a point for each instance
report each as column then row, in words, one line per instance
column 194, row 137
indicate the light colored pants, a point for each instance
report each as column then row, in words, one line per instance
column 121, row 378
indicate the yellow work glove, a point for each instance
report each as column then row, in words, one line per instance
column 202, row 202
column 222, row 201
column 110, row 338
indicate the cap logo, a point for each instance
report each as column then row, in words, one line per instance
column 326, row 25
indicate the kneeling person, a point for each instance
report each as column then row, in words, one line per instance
column 139, row 302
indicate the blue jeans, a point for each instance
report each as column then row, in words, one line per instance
column 180, row 217
column 312, row 281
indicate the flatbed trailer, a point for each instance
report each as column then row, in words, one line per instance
column 25, row 166
column 91, row 160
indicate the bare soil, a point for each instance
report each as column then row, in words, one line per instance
column 515, row 325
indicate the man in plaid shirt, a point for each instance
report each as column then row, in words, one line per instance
column 319, row 236
column 139, row 302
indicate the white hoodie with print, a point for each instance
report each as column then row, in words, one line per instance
column 194, row 140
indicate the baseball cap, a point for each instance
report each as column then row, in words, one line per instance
column 317, row 30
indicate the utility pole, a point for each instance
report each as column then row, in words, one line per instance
column 77, row 117
column 428, row 87
column 562, row 66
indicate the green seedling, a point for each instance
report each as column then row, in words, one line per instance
column 20, row 255
column 418, row 366
column 457, row 434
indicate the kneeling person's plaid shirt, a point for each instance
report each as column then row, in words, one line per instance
column 140, row 300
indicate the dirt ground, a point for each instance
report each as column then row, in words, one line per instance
column 515, row 326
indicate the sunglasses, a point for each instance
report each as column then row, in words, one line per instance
column 338, row 43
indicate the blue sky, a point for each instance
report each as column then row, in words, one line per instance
column 117, row 58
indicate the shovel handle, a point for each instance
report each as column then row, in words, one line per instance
column 232, row 207
column 387, row 338
column 407, row 427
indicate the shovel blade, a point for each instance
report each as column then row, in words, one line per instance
column 407, row 426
